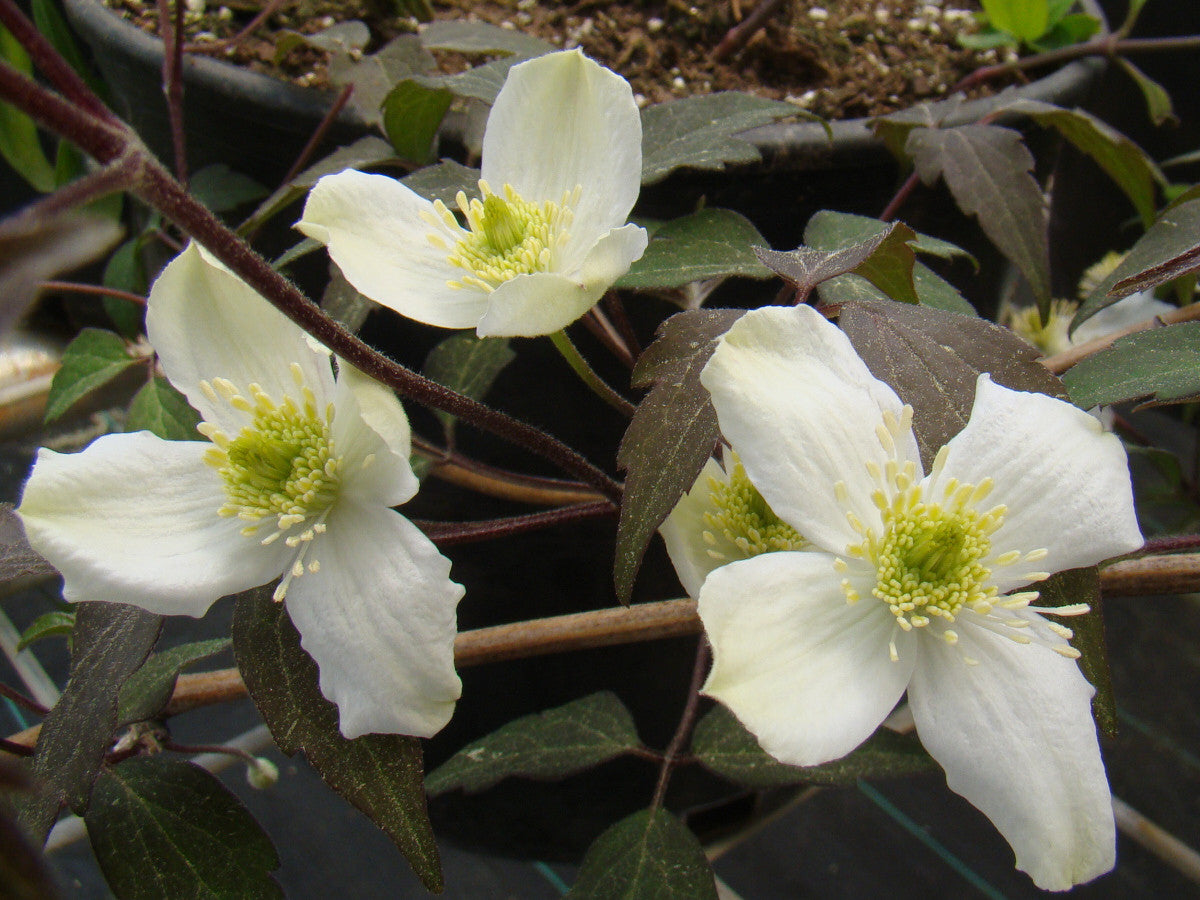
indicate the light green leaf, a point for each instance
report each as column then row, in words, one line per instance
column 20, row 144
column 148, row 690
column 162, row 827
column 57, row 623
column 90, row 361
column 702, row 132
column 548, row 745
column 162, row 410
column 723, row 745
column 469, row 365
column 1027, row 19
column 1161, row 365
column 649, row 856
column 412, row 114
column 704, row 244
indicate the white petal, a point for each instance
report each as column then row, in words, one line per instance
column 1064, row 480
column 205, row 322
column 1016, row 738
column 563, row 121
column 1125, row 312
column 375, row 233
column 684, row 529
column 800, row 408
column 379, row 618
column 371, row 433
column 133, row 519
column 808, row 674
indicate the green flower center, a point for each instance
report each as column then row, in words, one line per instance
column 742, row 516
column 1051, row 337
column 282, row 466
column 505, row 235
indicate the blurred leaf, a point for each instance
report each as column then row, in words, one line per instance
column 480, row 38
column 1073, row 29
column 110, row 642
column 723, row 745
column 1124, row 161
column 365, row 153
column 1026, row 19
column 1161, row 365
column 704, row 244
column 444, row 181
column 933, row 358
column 50, row 22
column 20, row 144
column 412, row 115
column 17, row 558
column 221, row 189
column 57, row 623
column 988, row 169
column 380, row 774
column 885, row 260
column 344, row 38
column 469, row 365
column 894, row 129
column 1162, row 497
column 374, row 76
column 163, row 827
column 90, row 361
column 124, row 271
column 162, row 410
column 24, row 873
column 671, row 435
column 480, row 83
column 148, row 690
column 1158, row 102
column 702, row 132
column 650, row 854
column 33, row 250
column 1083, row 586
column 547, row 745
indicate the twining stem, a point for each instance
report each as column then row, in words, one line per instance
column 170, row 29
column 1060, row 362
column 447, row 534
column 318, row 134
column 588, row 376
column 98, row 290
column 493, row 482
column 686, row 722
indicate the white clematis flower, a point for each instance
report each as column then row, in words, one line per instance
column 296, row 478
column 562, row 166
column 906, row 581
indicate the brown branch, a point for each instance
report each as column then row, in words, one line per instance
column 98, row 290
column 170, row 29
column 739, row 36
column 447, row 534
column 1172, row 574
column 319, row 133
column 1060, row 362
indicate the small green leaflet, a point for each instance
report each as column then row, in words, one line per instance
column 412, row 115
column 221, row 189
column 57, row 623
column 651, row 854
column 147, row 691
column 163, row 827
column 550, row 745
column 90, row 361
column 705, row 244
column 723, row 745
column 1158, row 366
column 469, row 365
column 162, row 410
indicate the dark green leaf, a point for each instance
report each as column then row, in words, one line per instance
column 1158, row 101
column 444, row 181
column 125, row 271
column 90, row 361
column 671, row 435
column 57, row 623
column 933, row 358
column 374, row 76
column 1161, row 365
column 988, row 170
column 20, row 144
column 932, row 291
column 548, row 745
column 381, row 774
column 365, row 153
column 412, row 115
column 162, row 410
column 17, row 558
column 479, row 38
column 705, row 244
column 469, row 365
column 829, row 230
column 723, row 745
column 148, row 689
column 1124, row 161
column 163, row 827
column 702, row 132
column 650, row 855
column 34, row 250
column 480, row 83
column 885, row 260
column 1083, row 586
column 221, row 189
column 110, row 642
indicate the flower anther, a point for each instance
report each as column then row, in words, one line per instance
column 739, row 513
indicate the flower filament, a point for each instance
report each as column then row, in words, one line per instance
column 281, row 467
column 741, row 515
column 505, row 235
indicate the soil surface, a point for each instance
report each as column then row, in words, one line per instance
column 839, row 58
